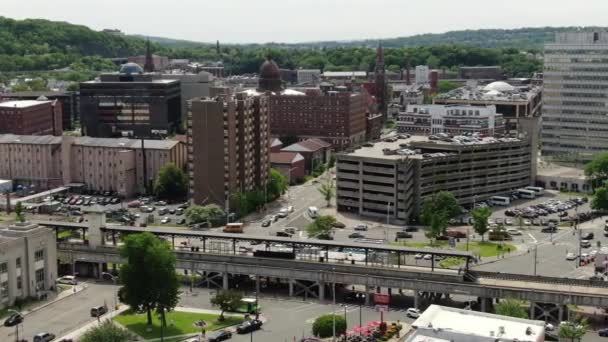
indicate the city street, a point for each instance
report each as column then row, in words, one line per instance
column 64, row 315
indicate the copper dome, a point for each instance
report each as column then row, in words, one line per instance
column 270, row 70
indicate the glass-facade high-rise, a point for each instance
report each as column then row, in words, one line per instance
column 575, row 108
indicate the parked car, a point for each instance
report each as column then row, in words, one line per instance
column 172, row 211
column 587, row 236
column 219, row 335
column 249, row 326
column 97, row 311
column 181, row 221
column 13, row 319
column 603, row 332
column 290, row 230
column 160, row 203
column 165, row 220
column 411, row 229
column 266, row 223
column 356, row 235
column 283, row 234
column 44, row 337
column 512, row 231
column 412, row 313
column 585, row 243
column 571, row 256
column 403, row 235
column 361, row 227
column 67, row 280
column 324, row 236
column 428, row 257
column 418, row 256
column 550, row 229
column 283, row 212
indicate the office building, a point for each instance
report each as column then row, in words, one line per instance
column 291, row 164
column 441, row 323
column 309, row 76
column 396, row 177
column 28, row 262
column 130, row 103
column 158, row 62
column 575, row 109
column 68, row 100
column 191, row 86
column 422, row 74
column 101, row 164
column 450, row 119
column 31, row 117
column 513, row 102
column 228, row 146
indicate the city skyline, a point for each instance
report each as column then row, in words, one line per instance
column 290, row 21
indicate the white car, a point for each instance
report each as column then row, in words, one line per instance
column 593, row 252
column 412, row 313
column 428, row 257
column 508, row 222
column 283, row 212
column 165, row 220
column 570, row 256
column 290, row 208
column 418, row 256
column 549, row 327
column 512, row 231
column 68, row 280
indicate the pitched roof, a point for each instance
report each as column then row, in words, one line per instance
column 285, row 157
column 308, row 145
column 276, row 142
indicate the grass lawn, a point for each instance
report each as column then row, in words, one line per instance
column 183, row 323
column 485, row 249
column 66, row 234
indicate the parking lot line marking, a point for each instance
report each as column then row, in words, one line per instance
column 533, row 238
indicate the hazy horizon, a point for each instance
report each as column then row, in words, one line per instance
column 293, row 21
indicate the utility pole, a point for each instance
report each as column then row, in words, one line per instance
column 535, row 256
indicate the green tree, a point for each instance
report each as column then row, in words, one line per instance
column 332, row 161
column 437, row 211
column 106, row 332
column 321, row 225
column 597, row 169
column 511, row 307
column 480, row 220
column 573, row 331
column 600, row 199
column 328, row 191
column 204, row 214
column 277, row 184
column 323, row 326
column 19, row 214
column 444, row 86
column 227, row 300
column 149, row 277
column 171, row 182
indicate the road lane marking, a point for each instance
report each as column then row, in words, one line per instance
column 533, row 238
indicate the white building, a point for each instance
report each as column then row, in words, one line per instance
column 450, row 119
column 309, row 76
column 422, row 74
column 28, row 262
column 575, row 110
column 440, row 323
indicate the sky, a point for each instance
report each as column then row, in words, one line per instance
column 260, row 21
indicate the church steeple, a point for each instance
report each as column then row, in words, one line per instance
column 149, row 65
column 380, row 78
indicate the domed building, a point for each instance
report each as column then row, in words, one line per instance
column 499, row 86
column 270, row 77
column 131, row 69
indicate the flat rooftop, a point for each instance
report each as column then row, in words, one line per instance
column 555, row 170
column 499, row 91
column 441, row 321
column 407, row 146
column 22, row 104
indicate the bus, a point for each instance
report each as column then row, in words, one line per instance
column 233, row 228
column 526, row 193
column 500, row 200
column 539, row 191
column 248, row 305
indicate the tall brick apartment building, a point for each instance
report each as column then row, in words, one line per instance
column 31, row 117
column 336, row 117
column 228, row 146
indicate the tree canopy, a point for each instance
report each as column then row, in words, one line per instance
column 328, row 191
column 597, row 169
column 171, row 182
column 437, row 211
column 480, row 220
column 277, row 184
column 227, row 300
column 600, row 199
column 19, row 215
column 149, row 277
column 205, row 214
column 106, row 332
column 321, row 225
column 323, row 326
column 511, row 307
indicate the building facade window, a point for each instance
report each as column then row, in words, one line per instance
column 40, row 278
column 18, row 262
column 3, row 267
column 3, row 290
column 19, row 285
column 39, row 255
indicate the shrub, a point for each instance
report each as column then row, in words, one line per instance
column 323, row 326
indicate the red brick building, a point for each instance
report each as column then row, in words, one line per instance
column 291, row 164
column 336, row 117
column 31, row 117
column 315, row 152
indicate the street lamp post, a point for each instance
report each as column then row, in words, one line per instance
column 16, row 326
column 360, row 298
